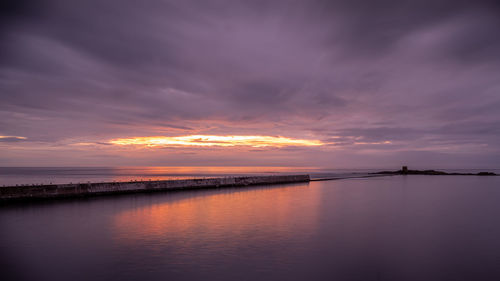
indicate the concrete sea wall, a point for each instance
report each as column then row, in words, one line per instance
column 88, row 189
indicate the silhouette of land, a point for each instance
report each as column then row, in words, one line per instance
column 405, row 171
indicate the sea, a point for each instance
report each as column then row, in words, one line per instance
column 11, row 176
column 413, row 227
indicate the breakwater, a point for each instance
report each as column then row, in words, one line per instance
column 9, row 193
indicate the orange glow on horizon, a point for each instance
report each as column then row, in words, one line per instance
column 211, row 140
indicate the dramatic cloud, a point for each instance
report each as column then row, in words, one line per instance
column 224, row 141
column 377, row 82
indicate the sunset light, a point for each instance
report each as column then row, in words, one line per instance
column 12, row 137
column 299, row 140
column 210, row 140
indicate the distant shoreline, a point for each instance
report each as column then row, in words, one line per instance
column 405, row 171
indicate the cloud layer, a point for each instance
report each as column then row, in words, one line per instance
column 382, row 80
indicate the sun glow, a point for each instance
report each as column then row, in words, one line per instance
column 13, row 137
column 208, row 140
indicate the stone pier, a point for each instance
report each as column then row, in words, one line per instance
column 10, row 193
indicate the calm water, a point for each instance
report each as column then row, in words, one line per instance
column 387, row 228
column 46, row 175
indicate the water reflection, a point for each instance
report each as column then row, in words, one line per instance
column 390, row 228
column 255, row 214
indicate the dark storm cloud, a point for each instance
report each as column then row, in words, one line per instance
column 373, row 70
column 12, row 11
column 372, row 27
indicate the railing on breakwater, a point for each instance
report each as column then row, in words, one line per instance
column 103, row 188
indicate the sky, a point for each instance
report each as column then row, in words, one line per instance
column 334, row 84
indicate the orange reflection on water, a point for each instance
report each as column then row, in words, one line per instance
column 183, row 172
column 249, row 214
column 220, row 169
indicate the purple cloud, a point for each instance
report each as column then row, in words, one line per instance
column 422, row 75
